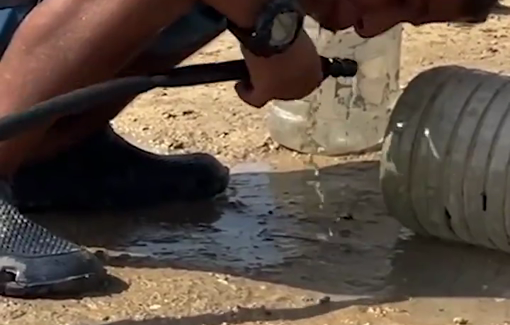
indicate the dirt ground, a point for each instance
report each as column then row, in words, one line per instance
column 285, row 246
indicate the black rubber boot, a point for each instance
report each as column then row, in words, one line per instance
column 106, row 172
column 36, row 263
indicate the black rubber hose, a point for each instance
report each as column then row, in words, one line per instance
column 91, row 97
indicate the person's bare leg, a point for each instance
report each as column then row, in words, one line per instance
column 179, row 41
column 63, row 45
column 82, row 164
column 60, row 46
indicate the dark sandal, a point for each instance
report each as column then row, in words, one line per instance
column 106, row 172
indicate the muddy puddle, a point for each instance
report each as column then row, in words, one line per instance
column 326, row 233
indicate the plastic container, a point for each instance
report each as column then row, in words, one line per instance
column 445, row 161
column 344, row 115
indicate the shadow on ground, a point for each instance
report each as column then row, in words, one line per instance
column 501, row 9
column 248, row 315
column 498, row 9
column 327, row 233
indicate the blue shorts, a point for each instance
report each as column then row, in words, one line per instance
column 189, row 30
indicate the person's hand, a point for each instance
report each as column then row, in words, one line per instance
column 291, row 75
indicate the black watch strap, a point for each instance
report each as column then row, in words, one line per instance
column 258, row 39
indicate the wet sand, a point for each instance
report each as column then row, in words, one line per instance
column 283, row 245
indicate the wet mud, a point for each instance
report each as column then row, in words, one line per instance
column 323, row 237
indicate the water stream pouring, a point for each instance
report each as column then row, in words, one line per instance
column 91, row 97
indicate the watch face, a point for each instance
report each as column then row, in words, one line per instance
column 285, row 26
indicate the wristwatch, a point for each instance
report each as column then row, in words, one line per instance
column 276, row 28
